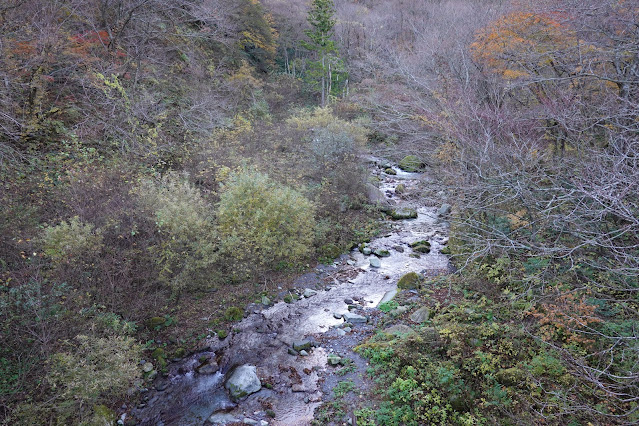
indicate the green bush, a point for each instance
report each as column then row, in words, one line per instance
column 97, row 370
column 72, row 240
column 187, row 245
column 262, row 224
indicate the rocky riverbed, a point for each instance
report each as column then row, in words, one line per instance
column 278, row 364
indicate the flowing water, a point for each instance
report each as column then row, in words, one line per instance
column 187, row 397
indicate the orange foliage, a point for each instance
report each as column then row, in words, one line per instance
column 522, row 43
column 566, row 318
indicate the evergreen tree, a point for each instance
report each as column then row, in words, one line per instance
column 328, row 68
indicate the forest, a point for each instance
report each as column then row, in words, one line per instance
column 164, row 161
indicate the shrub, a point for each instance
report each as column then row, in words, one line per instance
column 98, row 369
column 262, row 224
column 187, row 245
column 71, row 240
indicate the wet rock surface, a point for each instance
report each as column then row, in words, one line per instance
column 298, row 347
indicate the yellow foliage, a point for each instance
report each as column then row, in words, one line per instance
column 319, row 118
column 517, row 219
column 521, row 41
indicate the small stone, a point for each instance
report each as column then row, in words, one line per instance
column 302, row 345
column 334, row 360
column 366, row 251
column 303, row 353
column 400, row 310
column 298, row 387
column 162, row 386
column 375, row 263
column 222, row 419
column 248, row 421
column 347, row 329
column 208, row 368
column 341, row 332
column 293, row 352
column 350, row 262
column 348, row 301
column 390, row 171
column 309, row 293
column 420, row 315
column 266, row 301
column 351, row 307
column 337, row 316
column 263, row 423
column 147, row 367
column 399, row 249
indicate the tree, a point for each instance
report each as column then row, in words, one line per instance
column 328, row 65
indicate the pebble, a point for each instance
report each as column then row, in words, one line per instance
column 341, row 332
column 348, row 301
column 303, row 353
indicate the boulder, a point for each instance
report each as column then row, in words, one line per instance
column 375, row 263
column 377, row 197
column 388, row 296
column 302, row 345
column 390, row 171
column 381, row 253
column 411, row 163
column 399, row 330
column 409, row 281
column 354, row 318
column 400, row 189
column 309, row 293
column 243, row 381
column 403, row 213
column 366, row 251
column 444, row 210
column 420, row 315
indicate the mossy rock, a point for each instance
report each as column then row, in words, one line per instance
column 161, row 364
column 422, row 246
column 445, row 250
column 422, row 249
column 411, row 163
column 329, row 251
column 420, row 243
column 409, row 281
column 390, row 171
column 233, row 313
column 381, row 253
column 414, row 255
column 156, row 322
column 403, row 213
column 400, row 189
column 158, row 353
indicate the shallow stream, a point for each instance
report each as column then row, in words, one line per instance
column 263, row 338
